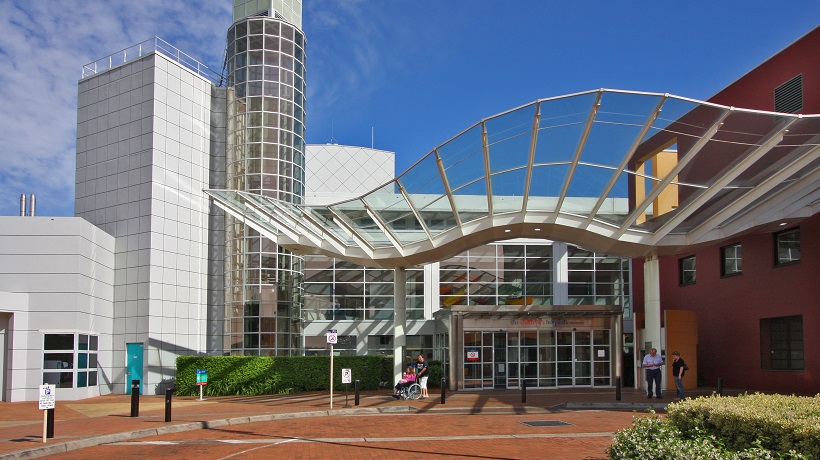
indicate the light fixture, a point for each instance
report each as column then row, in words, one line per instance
column 783, row 223
column 507, row 231
column 537, row 229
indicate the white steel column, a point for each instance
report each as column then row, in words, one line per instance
column 399, row 321
column 652, row 309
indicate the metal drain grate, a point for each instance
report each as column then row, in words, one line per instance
column 546, row 423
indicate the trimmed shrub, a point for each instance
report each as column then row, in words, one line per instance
column 777, row 422
column 745, row 427
column 254, row 375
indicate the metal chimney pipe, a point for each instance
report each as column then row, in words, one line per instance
column 22, row 205
column 33, row 203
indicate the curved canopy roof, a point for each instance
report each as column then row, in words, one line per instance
column 622, row 172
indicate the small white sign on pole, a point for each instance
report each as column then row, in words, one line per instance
column 332, row 337
column 47, row 396
column 347, row 376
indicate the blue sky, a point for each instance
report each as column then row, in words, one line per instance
column 406, row 74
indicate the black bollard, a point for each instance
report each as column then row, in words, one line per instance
column 49, row 423
column 443, row 390
column 135, row 398
column 356, row 390
column 523, row 391
column 720, row 386
column 618, row 388
column 168, row 393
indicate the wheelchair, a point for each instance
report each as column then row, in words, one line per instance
column 411, row 392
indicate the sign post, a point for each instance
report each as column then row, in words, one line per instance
column 346, row 379
column 332, row 338
column 48, row 397
column 201, row 380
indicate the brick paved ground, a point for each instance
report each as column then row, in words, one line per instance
column 469, row 425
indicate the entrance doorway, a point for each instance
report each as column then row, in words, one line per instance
column 542, row 359
column 134, row 369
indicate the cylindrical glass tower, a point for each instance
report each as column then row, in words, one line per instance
column 265, row 155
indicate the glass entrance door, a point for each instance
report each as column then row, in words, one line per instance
column 500, row 360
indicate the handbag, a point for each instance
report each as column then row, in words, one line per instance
column 685, row 367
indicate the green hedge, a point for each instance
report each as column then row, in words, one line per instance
column 744, row 427
column 255, row 375
column 777, row 422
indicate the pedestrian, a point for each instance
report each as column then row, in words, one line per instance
column 652, row 363
column 407, row 379
column 679, row 368
column 421, row 375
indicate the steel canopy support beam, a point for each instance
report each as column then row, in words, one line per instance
column 578, row 150
column 756, row 193
column 536, row 123
column 682, row 163
column 721, row 182
column 487, row 172
column 448, row 190
column 625, row 161
column 416, row 212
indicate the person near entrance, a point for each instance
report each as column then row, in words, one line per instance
column 407, row 379
column 679, row 368
column 652, row 363
column 421, row 375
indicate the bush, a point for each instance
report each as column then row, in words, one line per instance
column 253, row 375
column 777, row 422
column 747, row 426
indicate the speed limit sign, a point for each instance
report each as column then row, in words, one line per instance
column 332, row 338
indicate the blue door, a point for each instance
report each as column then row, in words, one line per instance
column 134, row 371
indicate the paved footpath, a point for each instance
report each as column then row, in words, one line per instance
column 571, row 423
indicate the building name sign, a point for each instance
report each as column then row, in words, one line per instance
column 552, row 322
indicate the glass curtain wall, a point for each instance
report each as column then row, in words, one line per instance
column 498, row 274
column 336, row 290
column 265, row 155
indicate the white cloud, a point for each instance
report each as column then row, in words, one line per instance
column 43, row 46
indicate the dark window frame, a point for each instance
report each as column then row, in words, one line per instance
column 683, row 271
column 778, row 261
column 737, row 256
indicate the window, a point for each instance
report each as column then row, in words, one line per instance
column 731, row 261
column 70, row 360
column 781, row 343
column 787, row 246
column 687, row 270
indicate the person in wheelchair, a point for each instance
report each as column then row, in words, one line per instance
column 407, row 379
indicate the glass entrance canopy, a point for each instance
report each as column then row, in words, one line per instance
column 626, row 173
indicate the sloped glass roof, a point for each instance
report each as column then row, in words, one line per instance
column 628, row 173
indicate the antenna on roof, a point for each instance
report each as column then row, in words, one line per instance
column 332, row 140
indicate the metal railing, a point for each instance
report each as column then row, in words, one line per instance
column 152, row 45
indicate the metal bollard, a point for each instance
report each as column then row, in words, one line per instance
column 356, row 390
column 49, row 423
column 443, row 390
column 720, row 386
column 135, row 398
column 168, row 393
column 618, row 388
column 523, row 391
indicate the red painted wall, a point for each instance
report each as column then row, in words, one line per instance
column 755, row 90
column 730, row 309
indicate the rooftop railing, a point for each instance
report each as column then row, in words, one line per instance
column 152, row 45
